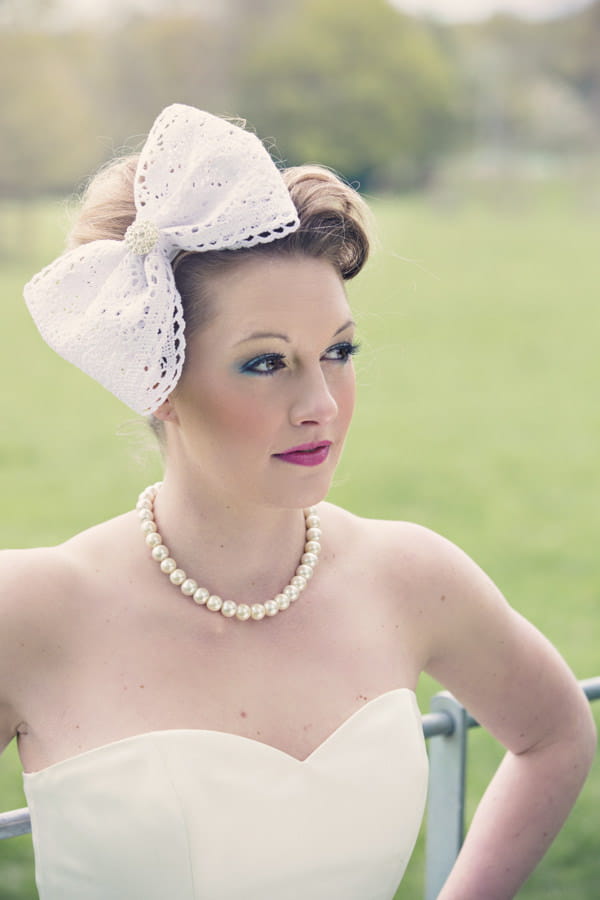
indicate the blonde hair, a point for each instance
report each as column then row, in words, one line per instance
column 333, row 217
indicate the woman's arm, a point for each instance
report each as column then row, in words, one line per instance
column 518, row 687
column 32, row 583
column 13, row 615
column 519, row 815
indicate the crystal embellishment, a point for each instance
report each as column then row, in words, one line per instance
column 201, row 183
column 141, row 237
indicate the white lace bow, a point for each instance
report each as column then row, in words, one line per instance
column 111, row 307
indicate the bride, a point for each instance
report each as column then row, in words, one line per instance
column 213, row 694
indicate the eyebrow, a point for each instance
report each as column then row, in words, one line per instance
column 256, row 335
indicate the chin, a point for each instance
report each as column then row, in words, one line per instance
column 303, row 495
column 312, row 494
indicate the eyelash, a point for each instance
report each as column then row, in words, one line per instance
column 346, row 349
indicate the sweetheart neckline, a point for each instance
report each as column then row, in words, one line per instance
column 227, row 735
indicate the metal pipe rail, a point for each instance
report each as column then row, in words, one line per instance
column 446, row 727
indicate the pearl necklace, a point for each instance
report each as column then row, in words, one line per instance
column 200, row 595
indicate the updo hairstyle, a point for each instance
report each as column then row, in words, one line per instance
column 333, row 226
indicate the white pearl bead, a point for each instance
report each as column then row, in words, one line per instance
column 214, row 603
column 177, row 577
column 228, row 609
column 201, row 596
column 243, row 612
column 282, row 601
column 189, row 587
column 310, row 559
column 298, row 581
column 159, row 553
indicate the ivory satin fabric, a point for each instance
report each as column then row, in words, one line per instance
column 205, row 815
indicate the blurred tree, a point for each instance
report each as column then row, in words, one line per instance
column 154, row 61
column 27, row 14
column 357, row 86
column 72, row 99
column 524, row 83
column 576, row 55
column 42, row 114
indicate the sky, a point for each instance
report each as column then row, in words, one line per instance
column 470, row 10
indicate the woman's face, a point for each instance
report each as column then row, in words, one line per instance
column 267, row 393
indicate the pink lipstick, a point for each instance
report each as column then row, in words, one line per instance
column 312, row 454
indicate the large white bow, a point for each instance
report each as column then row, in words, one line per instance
column 111, row 307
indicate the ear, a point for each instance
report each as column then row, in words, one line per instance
column 166, row 412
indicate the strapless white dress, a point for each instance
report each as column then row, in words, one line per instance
column 205, row 815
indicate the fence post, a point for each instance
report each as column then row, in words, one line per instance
column 445, row 806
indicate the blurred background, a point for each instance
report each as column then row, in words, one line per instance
column 473, row 129
column 396, row 101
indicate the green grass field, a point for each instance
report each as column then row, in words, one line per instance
column 479, row 367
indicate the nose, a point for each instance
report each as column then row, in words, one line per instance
column 314, row 403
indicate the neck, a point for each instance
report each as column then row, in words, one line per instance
column 230, row 547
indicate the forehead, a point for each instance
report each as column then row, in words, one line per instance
column 278, row 293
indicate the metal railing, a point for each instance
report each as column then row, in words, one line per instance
column 446, row 727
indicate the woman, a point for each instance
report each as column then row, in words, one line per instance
column 213, row 695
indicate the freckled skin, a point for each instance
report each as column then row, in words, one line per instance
column 388, row 600
column 224, row 425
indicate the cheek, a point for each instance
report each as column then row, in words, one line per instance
column 239, row 416
column 346, row 397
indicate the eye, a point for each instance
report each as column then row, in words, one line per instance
column 267, row 364
column 341, row 352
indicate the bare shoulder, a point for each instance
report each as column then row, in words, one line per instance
column 498, row 664
column 43, row 595
column 37, row 583
column 402, row 549
column 427, row 576
column 38, row 591
column 31, row 585
column 30, row 580
column 421, row 577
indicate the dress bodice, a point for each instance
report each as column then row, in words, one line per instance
column 206, row 815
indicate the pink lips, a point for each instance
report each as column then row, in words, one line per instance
column 312, row 454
